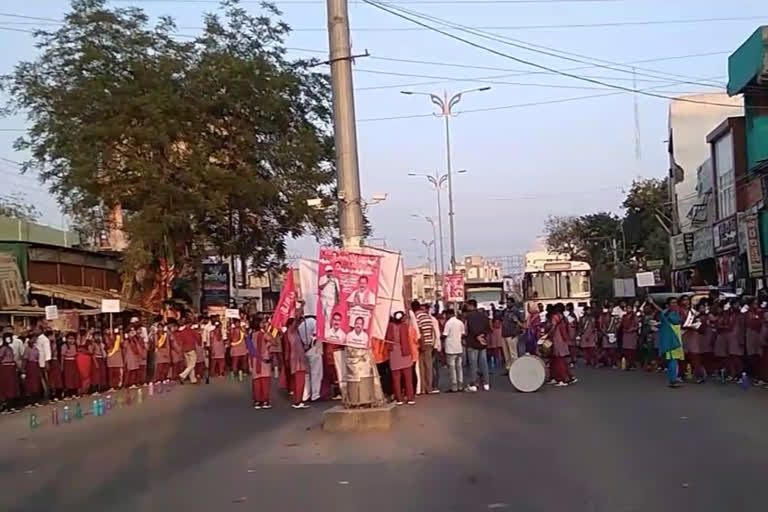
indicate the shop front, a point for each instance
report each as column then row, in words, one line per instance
column 725, row 239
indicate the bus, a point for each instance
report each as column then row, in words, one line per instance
column 551, row 278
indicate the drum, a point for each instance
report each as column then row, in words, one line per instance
column 528, row 373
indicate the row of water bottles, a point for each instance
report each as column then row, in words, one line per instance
column 100, row 406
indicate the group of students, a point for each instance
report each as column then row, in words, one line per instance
column 726, row 338
column 41, row 364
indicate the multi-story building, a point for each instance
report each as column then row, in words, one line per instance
column 421, row 284
column 478, row 269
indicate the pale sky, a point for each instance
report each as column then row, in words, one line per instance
column 523, row 163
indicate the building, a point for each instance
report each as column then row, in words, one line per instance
column 479, row 270
column 691, row 119
column 420, row 284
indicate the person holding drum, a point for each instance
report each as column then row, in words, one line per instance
column 559, row 370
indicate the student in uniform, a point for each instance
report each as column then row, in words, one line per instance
column 55, row 371
column 33, row 383
column 84, row 359
column 201, row 362
column 297, row 362
column 708, row 334
column 259, row 361
column 115, row 360
column 162, row 342
column 143, row 352
column 691, row 336
column 131, row 353
column 629, row 328
column 587, row 338
column 218, row 351
column 736, row 342
column 99, row 368
column 753, row 322
column 402, row 337
column 237, row 349
column 69, row 365
column 561, row 375
column 177, row 354
column 9, row 377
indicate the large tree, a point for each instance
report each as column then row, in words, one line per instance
column 588, row 237
column 646, row 206
column 211, row 144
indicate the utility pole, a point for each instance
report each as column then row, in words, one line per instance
column 345, row 131
column 363, row 385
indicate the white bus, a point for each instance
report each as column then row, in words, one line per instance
column 551, row 278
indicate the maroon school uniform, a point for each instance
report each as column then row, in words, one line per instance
column 69, row 359
column 162, row 356
column 141, row 345
column 261, row 376
column 55, row 373
column 199, row 355
column 9, row 379
column 237, row 349
column 131, row 354
column 115, row 362
column 588, row 342
column 217, row 353
column 177, row 357
column 629, row 338
column 99, row 367
column 33, row 384
column 559, row 368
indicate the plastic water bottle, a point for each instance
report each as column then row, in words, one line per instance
column 95, row 407
column 722, row 376
column 55, row 416
column 67, row 417
column 240, row 375
column 139, row 396
column 33, row 423
column 109, row 402
column 102, row 408
column 744, row 381
column 151, row 389
column 78, row 411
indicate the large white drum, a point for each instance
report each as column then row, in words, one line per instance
column 528, row 373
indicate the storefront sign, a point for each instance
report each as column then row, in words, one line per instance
column 725, row 234
column 754, row 252
column 679, row 254
column 453, row 288
column 703, row 245
column 657, row 264
column 726, row 269
column 742, row 225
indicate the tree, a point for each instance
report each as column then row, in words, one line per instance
column 646, row 202
column 589, row 237
column 16, row 205
column 209, row 145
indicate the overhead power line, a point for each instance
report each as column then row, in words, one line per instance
column 400, row 2
column 394, row 11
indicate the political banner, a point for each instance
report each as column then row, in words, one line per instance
column 286, row 305
column 347, row 287
column 453, row 288
column 215, row 284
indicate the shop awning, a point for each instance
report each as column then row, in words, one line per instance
column 88, row 297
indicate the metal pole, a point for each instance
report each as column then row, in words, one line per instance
column 350, row 207
column 447, row 115
column 434, row 246
column 440, row 223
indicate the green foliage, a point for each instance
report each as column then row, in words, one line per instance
column 16, row 205
column 646, row 238
column 213, row 144
column 588, row 237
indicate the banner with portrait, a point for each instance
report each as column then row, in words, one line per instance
column 347, row 288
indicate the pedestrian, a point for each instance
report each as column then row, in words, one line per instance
column 629, row 334
column 55, row 372
column 297, row 362
column 610, row 322
column 142, row 344
column 438, row 354
column 9, row 376
column 131, row 353
column 177, row 354
column 99, row 367
column 559, row 327
column 573, row 327
column 691, row 336
column 511, row 328
column 670, row 339
column 218, row 351
column 237, row 348
column 753, row 340
column 84, row 359
column 401, row 337
column 69, row 364
column 454, row 334
column 495, row 343
column 478, row 329
column 188, row 338
column 115, row 360
column 162, row 343
column 736, row 341
column 313, row 353
column 200, row 359
column 708, row 333
column 259, row 361
column 587, row 338
column 427, row 340
column 43, row 341
column 33, row 382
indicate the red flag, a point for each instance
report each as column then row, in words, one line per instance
column 286, row 305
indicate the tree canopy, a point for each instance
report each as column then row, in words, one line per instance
column 208, row 144
column 16, row 205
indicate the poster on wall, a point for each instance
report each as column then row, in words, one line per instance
column 453, row 288
column 754, row 252
column 347, row 288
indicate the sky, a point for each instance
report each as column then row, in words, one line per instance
column 528, row 153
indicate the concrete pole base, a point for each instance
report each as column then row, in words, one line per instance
column 339, row 419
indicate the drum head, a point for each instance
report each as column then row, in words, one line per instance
column 528, row 373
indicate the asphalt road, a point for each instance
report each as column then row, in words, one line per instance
column 615, row 442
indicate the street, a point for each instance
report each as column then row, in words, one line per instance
column 614, row 442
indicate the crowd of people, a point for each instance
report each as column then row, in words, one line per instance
column 726, row 339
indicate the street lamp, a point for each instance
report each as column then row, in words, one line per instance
column 427, row 245
column 446, row 104
column 434, row 237
column 437, row 180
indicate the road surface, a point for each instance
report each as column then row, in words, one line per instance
column 615, row 442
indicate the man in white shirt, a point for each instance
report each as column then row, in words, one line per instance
column 43, row 344
column 454, row 332
column 329, row 292
column 334, row 333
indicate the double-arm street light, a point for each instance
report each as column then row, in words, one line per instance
column 446, row 104
column 437, row 182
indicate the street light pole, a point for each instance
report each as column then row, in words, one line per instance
column 446, row 104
